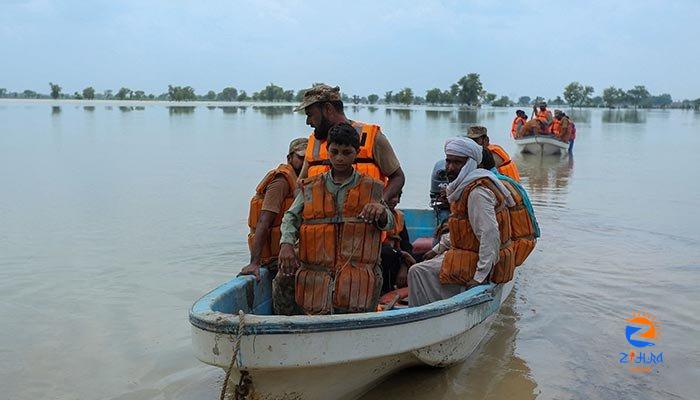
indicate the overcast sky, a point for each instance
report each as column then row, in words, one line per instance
column 519, row 48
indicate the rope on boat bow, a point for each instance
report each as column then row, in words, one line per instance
column 245, row 381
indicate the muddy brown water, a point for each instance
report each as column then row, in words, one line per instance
column 115, row 219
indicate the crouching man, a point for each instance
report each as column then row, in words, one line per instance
column 337, row 217
column 479, row 224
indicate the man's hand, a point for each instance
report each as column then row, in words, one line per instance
column 402, row 276
column 407, row 258
column 287, row 260
column 372, row 213
column 429, row 254
column 251, row 269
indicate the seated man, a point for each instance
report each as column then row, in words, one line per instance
column 479, row 243
column 504, row 163
column 516, row 129
column 338, row 217
column 273, row 196
column 396, row 251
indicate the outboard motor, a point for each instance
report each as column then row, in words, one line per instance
column 438, row 183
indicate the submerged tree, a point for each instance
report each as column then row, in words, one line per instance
column 372, row 98
column 470, row 88
column 55, row 90
column 89, row 93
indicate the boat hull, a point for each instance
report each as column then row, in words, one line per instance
column 345, row 363
column 541, row 145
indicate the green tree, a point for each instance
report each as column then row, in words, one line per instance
column 661, row 101
column 524, row 100
column 3, row 92
column 447, row 97
column 490, row 97
column 637, row 95
column 55, row 90
column 356, row 99
column 573, row 94
column 211, row 95
column 454, row 92
column 586, row 95
column 300, row 96
column 597, row 101
column 470, row 87
column 557, row 101
column 77, row 96
column 433, row 96
column 405, row 96
column 537, row 100
column 138, row 95
column 179, row 93
column 89, row 93
column 388, row 97
column 504, row 101
column 123, row 93
column 613, row 97
column 243, row 96
column 228, row 94
column 373, row 98
column 30, row 94
column 107, row 95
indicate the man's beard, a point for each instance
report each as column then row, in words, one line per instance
column 321, row 131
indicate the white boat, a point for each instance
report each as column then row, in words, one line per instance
column 541, row 145
column 335, row 356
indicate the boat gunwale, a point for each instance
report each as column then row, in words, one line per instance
column 541, row 139
column 204, row 318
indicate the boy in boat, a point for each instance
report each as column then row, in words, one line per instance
column 337, row 217
column 397, row 250
column 505, row 164
column 479, row 229
column 273, row 196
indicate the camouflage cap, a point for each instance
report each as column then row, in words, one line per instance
column 318, row 93
column 298, row 146
column 476, row 132
column 557, row 112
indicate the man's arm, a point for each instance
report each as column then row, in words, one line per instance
column 262, row 233
column 291, row 221
column 482, row 218
column 304, row 172
column 395, row 184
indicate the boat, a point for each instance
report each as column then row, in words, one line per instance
column 541, row 145
column 338, row 356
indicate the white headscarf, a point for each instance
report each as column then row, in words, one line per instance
column 465, row 147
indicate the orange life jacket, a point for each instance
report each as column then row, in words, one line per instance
column 514, row 128
column 508, row 166
column 317, row 153
column 271, row 247
column 395, row 233
column 338, row 251
column 459, row 265
column 522, row 232
column 556, row 127
column 545, row 116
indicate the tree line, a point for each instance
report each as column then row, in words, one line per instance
column 466, row 91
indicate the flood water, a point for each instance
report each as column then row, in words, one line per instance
column 114, row 220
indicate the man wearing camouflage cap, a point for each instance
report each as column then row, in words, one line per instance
column 504, row 163
column 323, row 107
column 273, row 196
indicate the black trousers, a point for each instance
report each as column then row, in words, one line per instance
column 391, row 263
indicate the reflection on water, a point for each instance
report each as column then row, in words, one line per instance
column 211, row 107
column 89, row 108
column 403, row 113
column 543, row 175
column 467, row 116
column 494, row 372
column 125, row 108
column 55, row 110
column 579, row 115
column 624, row 116
column 438, row 114
column 230, row 109
column 139, row 108
column 274, row 111
column 372, row 109
column 181, row 110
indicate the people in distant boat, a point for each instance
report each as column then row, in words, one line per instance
column 544, row 116
column 516, row 129
column 273, row 196
column 337, row 216
column 563, row 128
column 478, row 247
column 505, row 164
column 397, row 250
column 376, row 158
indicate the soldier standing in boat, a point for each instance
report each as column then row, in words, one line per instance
column 323, row 107
column 273, row 196
column 338, row 217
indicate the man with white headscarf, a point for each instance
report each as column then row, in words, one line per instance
column 462, row 157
